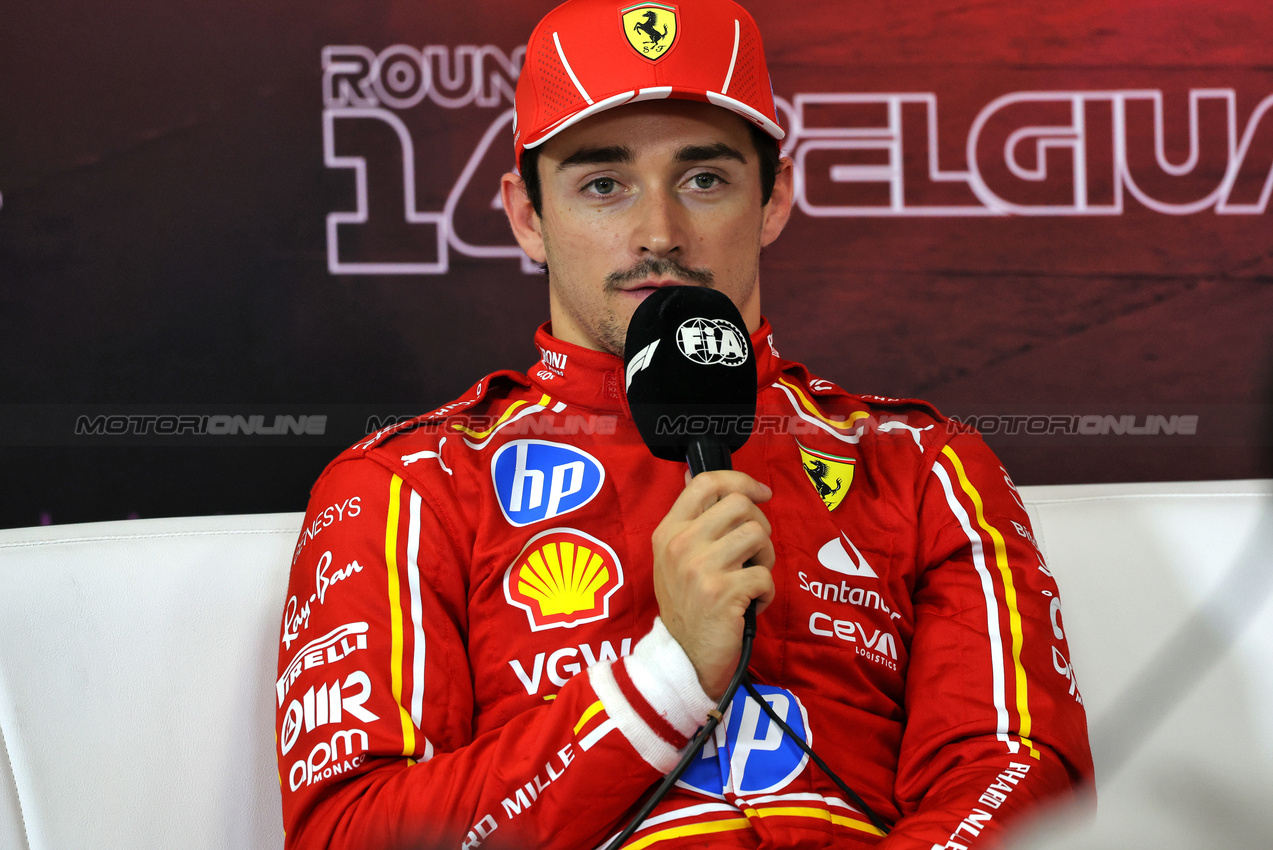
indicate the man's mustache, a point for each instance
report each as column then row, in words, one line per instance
column 666, row 267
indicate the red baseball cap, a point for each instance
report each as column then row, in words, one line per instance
column 587, row 56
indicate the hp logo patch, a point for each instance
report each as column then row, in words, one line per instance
column 750, row 748
column 537, row 480
column 711, row 342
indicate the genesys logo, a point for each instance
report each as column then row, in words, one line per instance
column 537, row 480
column 337, row 512
column 712, row 342
column 339, row 643
column 756, row 754
column 563, row 578
column 329, row 704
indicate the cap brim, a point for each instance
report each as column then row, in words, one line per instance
column 661, row 93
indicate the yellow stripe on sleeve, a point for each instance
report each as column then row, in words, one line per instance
column 1009, row 593
column 477, row 435
column 820, row 814
column 812, row 408
column 688, row 829
column 544, row 402
column 395, row 614
column 589, row 713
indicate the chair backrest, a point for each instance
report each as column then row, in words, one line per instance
column 136, row 668
column 1168, row 609
column 137, row 659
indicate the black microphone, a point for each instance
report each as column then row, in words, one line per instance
column 690, row 376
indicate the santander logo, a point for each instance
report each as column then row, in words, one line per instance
column 837, row 559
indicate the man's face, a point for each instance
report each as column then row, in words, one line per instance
column 647, row 195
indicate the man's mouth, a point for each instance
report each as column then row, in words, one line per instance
column 651, row 285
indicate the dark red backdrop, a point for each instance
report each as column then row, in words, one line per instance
column 1032, row 213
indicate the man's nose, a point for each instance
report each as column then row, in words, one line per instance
column 661, row 227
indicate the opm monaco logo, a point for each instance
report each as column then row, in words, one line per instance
column 1038, row 153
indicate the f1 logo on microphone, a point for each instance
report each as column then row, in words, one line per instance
column 639, row 362
column 537, row 480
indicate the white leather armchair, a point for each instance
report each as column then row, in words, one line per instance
column 137, row 662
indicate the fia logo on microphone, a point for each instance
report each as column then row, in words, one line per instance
column 712, row 342
column 537, row 480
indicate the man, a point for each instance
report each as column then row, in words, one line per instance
column 506, row 618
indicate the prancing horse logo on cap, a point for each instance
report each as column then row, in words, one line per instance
column 650, row 29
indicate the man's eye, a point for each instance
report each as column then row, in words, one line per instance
column 602, row 185
column 706, row 180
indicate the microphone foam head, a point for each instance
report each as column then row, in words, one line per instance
column 690, row 371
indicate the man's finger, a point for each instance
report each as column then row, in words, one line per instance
column 746, row 545
column 722, row 518
column 708, row 488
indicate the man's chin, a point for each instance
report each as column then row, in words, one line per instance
column 613, row 333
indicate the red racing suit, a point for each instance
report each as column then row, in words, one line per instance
column 471, row 656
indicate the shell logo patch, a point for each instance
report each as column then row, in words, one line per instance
column 563, row 578
column 650, row 28
column 830, row 474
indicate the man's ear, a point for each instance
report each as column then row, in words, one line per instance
column 521, row 216
column 778, row 210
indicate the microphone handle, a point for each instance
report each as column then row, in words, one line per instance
column 704, row 454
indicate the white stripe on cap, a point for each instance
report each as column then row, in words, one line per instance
column 732, row 59
column 562, row 54
column 747, row 112
column 653, row 93
column 586, row 112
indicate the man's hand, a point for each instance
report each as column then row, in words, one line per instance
column 701, row 547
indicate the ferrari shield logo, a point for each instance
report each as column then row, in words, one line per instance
column 829, row 474
column 650, row 29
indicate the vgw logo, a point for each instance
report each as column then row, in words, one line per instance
column 537, row 480
column 753, row 755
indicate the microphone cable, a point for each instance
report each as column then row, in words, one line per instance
column 708, row 729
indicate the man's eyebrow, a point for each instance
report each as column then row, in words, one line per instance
column 704, row 153
column 598, row 156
